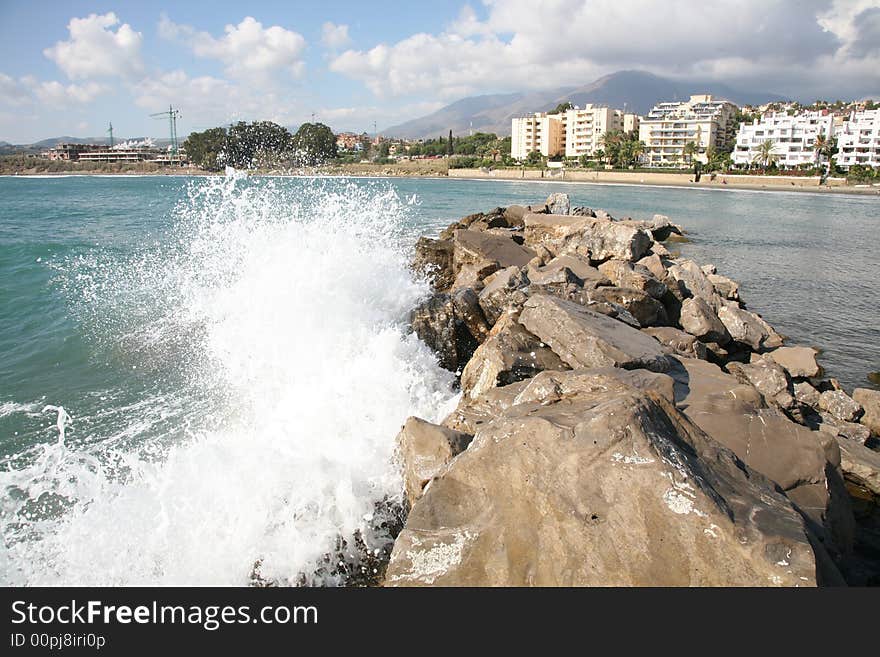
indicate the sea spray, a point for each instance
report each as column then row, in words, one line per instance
column 272, row 320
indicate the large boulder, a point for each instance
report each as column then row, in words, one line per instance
column 698, row 319
column 509, row 354
column 726, row 287
column 634, row 276
column 433, row 259
column 473, row 247
column 589, row 276
column 583, row 338
column 840, row 405
column 799, row 362
column 869, row 400
column 694, row 281
column 645, row 308
column 608, row 485
column 503, row 289
column 597, row 239
column 452, row 326
column 748, row 328
column 472, row 275
column 677, row 342
column 861, row 466
column 764, row 374
column 558, row 203
column 424, row 449
column 804, row 463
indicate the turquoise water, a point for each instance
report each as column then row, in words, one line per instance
column 234, row 359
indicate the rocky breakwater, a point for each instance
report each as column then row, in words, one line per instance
column 624, row 419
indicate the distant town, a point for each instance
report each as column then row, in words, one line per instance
column 704, row 132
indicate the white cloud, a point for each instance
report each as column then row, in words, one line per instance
column 28, row 90
column 248, row 50
column 96, row 50
column 523, row 44
column 334, row 36
column 13, row 92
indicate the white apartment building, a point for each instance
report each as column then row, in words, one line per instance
column 668, row 127
column 584, row 128
column 572, row 133
column 858, row 140
column 793, row 136
column 540, row 132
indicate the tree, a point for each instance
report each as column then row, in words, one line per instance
column 612, row 141
column 450, row 149
column 313, row 144
column 534, row 158
column 690, row 150
column 562, row 107
column 765, row 154
column 207, row 149
column 261, row 143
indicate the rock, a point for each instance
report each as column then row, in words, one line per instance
column 766, row 376
column 552, row 276
column 848, row 430
column 474, row 412
column 580, row 267
column 514, row 215
column 840, row 405
column 805, row 464
column 425, row 449
column 677, row 341
column 633, row 276
column 658, row 249
column 472, row 247
column 438, row 323
column 709, row 269
column 869, row 400
column 748, row 328
column 654, row 264
column 609, row 486
column 661, row 228
column 647, row 310
column 509, row 354
column 433, row 259
column 558, row 203
column 726, row 287
column 596, row 239
column 806, row 394
column 861, row 466
column 466, row 305
column 503, row 289
column 583, row 338
column 698, row 319
column 694, row 281
column 472, row 275
column 799, row 362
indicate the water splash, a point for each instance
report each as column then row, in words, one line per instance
column 273, row 315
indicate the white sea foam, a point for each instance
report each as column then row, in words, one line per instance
column 284, row 311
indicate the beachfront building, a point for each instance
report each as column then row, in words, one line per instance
column 541, row 132
column 668, row 128
column 585, row 127
column 794, row 138
column 858, row 140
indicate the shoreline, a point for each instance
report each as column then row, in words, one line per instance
column 638, row 179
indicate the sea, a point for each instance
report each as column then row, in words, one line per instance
column 202, row 378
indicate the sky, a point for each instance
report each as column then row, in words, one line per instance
column 70, row 67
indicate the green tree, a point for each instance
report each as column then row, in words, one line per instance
column 261, row 143
column 207, row 149
column 534, row 158
column 450, row 147
column 690, row 150
column 562, row 107
column 314, row 143
column 765, row 154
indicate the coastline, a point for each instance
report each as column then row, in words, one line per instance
column 725, row 182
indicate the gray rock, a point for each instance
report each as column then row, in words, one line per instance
column 514, row 215
column 765, row 375
column 580, row 267
column 509, row 354
column 647, row 310
column 694, row 281
column 433, row 259
column 678, row 342
column 607, row 486
column 726, row 287
column 840, row 405
column 633, row 276
column 472, row 247
column 583, row 338
column 558, row 203
column 442, row 322
column 503, row 290
column 861, row 466
column 596, row 239
column 806, row 394
column 799, row 362
column 848, row 430
column 748, row 328
column 472, row 275
column 698, row 319
column 869, row 400
column 424, row 450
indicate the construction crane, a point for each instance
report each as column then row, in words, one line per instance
column 172, row 115
column 110, row 132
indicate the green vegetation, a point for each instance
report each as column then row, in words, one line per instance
column 483, row 144
column 621, row 149
column 29, row 164
column 562, row 107
column 861, row 175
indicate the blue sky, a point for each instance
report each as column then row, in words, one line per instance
column 68, row 68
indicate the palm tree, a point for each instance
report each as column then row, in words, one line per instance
column 765, row 155
column 690, row 149
column 819, row 147
column 612, row 141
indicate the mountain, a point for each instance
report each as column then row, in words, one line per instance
column 638, row 91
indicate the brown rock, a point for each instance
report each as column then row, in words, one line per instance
column 869, row 400
column 503, row 290
column 424, row 450
column 633, row 276
column 472, row 275
column 799, row 362
column 840, row 405
column 748, row 328
column 472, row 247
column 647, row 310
column 726, row 287
column 806, row 394
column 596, row 239
column 861, row 466
column 698, row 319
column 678, row 342
column 583, row 338
column 433, row 259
